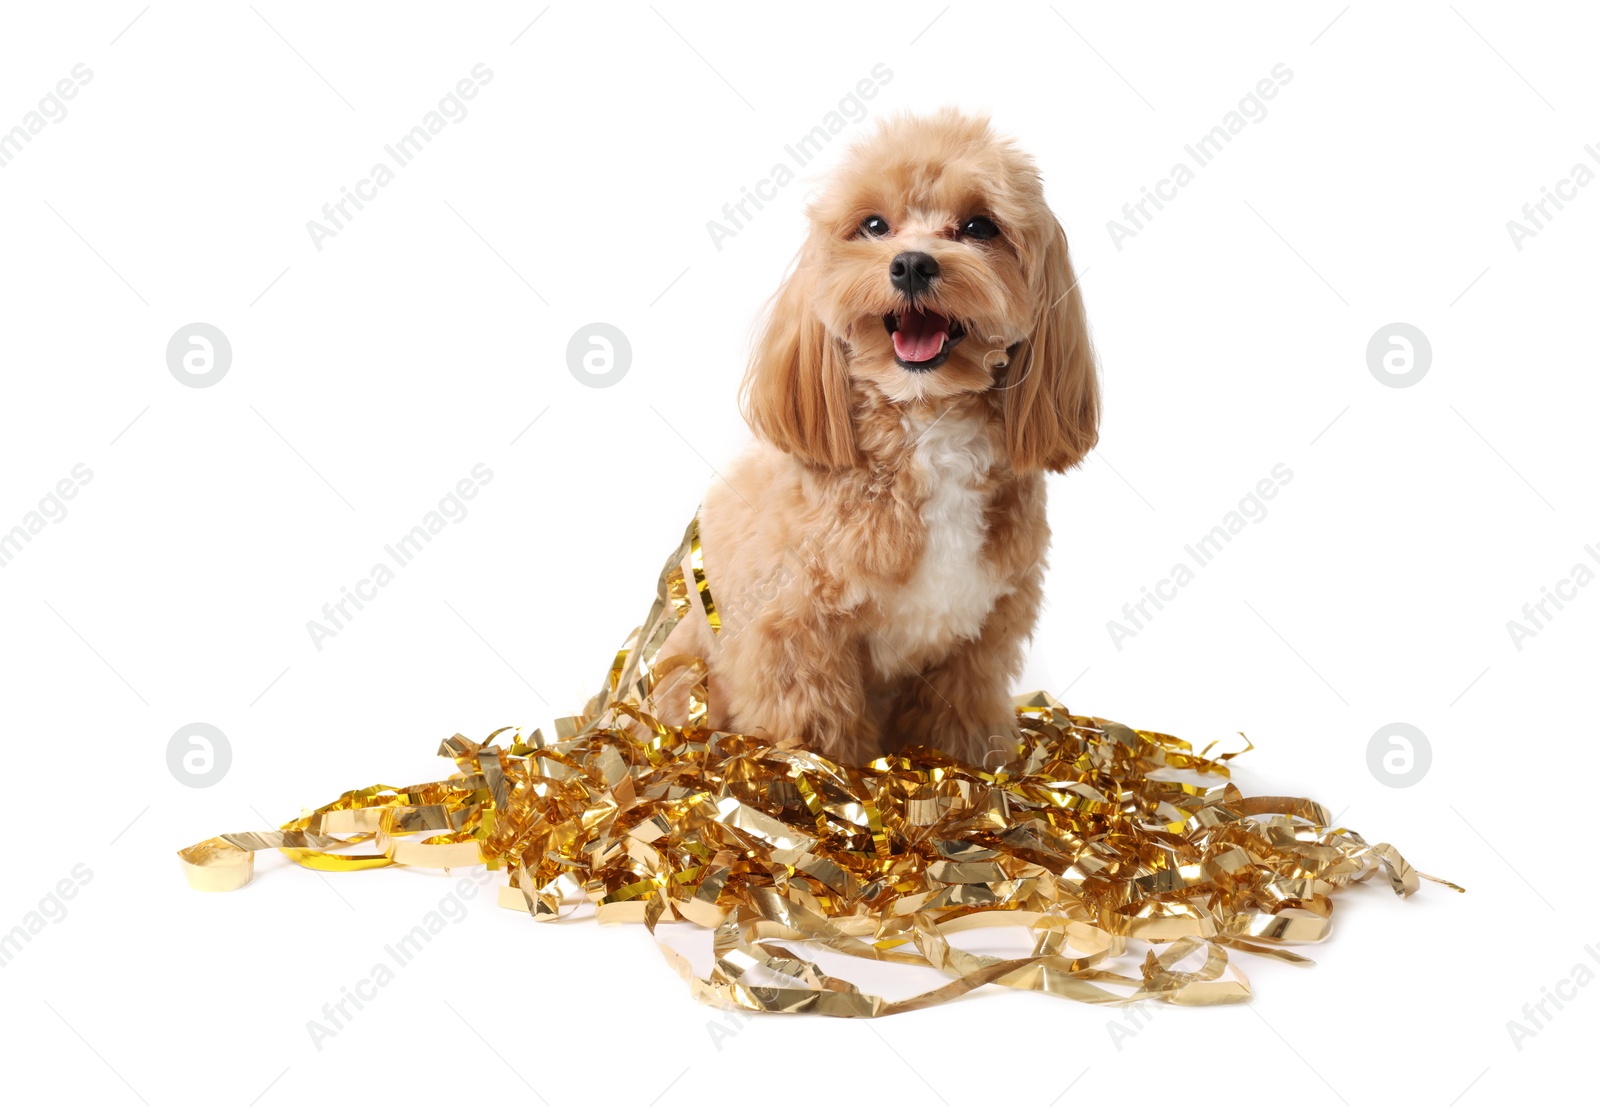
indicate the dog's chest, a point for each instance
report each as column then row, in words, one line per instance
column 952, row 590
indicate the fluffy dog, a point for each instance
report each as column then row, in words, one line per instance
column 877, row 555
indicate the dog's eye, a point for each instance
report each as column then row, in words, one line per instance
column 875, row 226
column 979, row 228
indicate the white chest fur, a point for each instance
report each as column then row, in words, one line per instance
column 952, row 591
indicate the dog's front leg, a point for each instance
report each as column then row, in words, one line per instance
column 962, row 705
column 803, row 676
column 799, row 666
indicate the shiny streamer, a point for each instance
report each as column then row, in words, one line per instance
column 1097, row 840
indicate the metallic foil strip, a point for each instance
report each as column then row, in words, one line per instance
column 1134, row 878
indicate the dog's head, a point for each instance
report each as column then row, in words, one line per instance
column 933, row 268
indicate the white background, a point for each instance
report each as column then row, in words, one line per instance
column 370, row 376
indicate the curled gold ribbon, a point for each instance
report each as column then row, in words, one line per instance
column 1097, row 840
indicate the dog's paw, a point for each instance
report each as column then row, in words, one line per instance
column 989, row 747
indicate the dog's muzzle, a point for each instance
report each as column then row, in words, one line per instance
column 922, row 337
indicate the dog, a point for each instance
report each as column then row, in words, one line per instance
column 877, row 554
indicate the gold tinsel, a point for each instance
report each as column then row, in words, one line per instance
column 1095, row 838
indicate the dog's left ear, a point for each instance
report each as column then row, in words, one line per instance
column 796, row 391
column 1052, row 393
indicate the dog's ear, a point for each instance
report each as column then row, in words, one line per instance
column 1052, row 393
column 796, row 391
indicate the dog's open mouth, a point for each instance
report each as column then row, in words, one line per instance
column 922, row 337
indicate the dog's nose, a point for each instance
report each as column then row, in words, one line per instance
column 913, row 271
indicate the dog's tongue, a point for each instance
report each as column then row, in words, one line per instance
column 920, row 336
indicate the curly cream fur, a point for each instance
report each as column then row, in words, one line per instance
column 878, row 552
